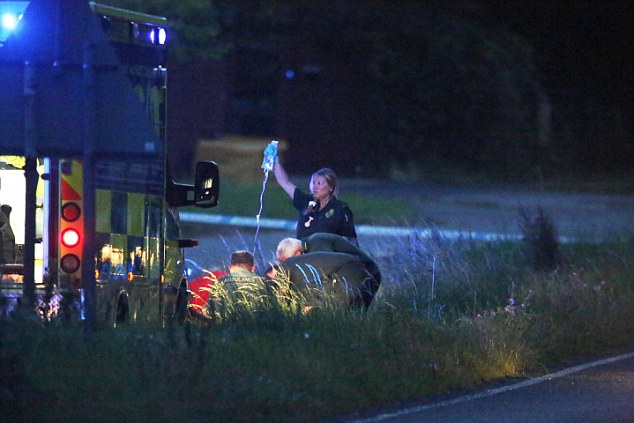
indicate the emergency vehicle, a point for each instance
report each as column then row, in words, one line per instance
column 139, row 255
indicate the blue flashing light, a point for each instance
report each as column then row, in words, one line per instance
column 289, row 74
column 10, row 14
column 10, row 21
column 158, row 36
column 162, row 36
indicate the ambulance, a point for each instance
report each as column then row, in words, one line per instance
column 139, row 254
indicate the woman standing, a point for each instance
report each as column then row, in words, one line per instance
column 319, row 210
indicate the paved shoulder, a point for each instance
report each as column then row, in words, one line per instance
column 599, row 391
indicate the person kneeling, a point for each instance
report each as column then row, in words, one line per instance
column 327, row 262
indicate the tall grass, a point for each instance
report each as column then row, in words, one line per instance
column 450, row 315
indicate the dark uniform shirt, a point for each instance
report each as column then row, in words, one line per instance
column 240, row 289
column 332, row 243
column 326, row 277
column 335, row 218
column 240, row 280
column 366, row 277
column 330, row 262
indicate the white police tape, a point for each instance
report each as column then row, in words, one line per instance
column 369, row 230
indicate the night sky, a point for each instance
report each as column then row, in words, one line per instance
column 583, row 47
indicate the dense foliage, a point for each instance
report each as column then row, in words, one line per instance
column 468, row 86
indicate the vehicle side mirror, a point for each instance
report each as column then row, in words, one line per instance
column 187, row 243
column 206, row 184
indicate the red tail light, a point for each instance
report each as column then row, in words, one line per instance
column 70, row 237
column 70, row 263
column 71, row 212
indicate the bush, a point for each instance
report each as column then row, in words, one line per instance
column 540, row 234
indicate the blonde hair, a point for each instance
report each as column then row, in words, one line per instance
column 288, row 247
column 331, row 178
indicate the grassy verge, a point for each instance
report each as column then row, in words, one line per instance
column 560, row 180
column 244, row 200
column 449, row 316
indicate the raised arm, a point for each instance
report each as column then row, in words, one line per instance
column 282, row 179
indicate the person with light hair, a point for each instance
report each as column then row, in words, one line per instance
column 323, row 260
column 288, row 247
column 319, row 210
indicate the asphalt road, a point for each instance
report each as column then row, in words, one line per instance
column 598, row 391
column 495, row 209
column 483, row 210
